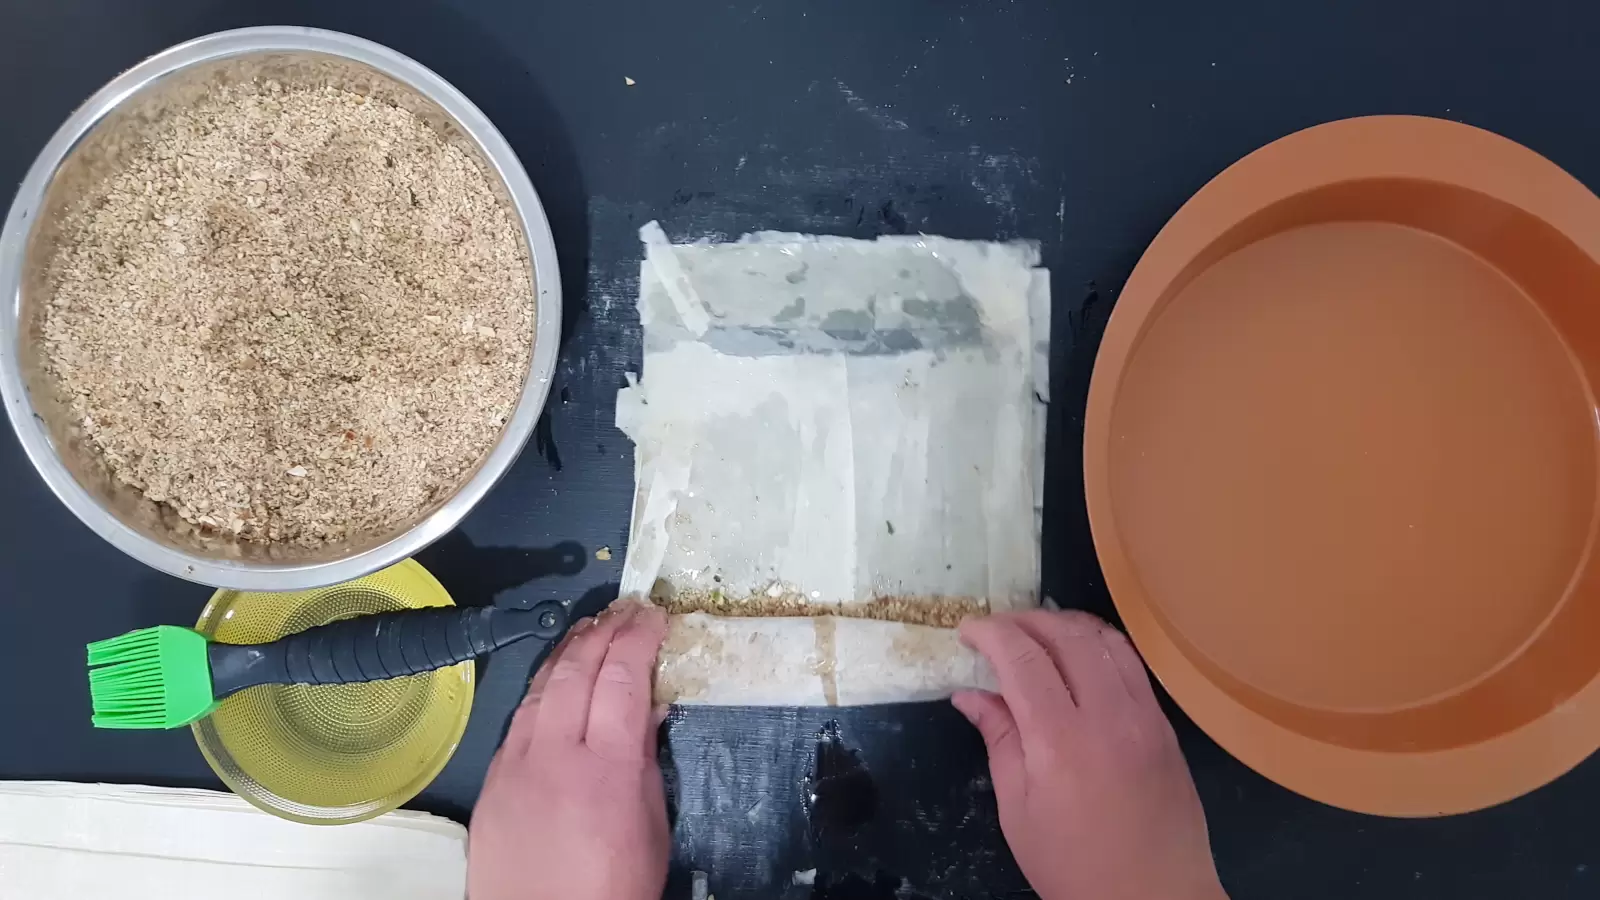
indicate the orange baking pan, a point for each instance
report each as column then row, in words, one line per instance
column 1340, row 462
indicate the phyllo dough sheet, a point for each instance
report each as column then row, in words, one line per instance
column 839, row 454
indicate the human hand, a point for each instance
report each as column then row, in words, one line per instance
column 1095, row 798
column 573, row 807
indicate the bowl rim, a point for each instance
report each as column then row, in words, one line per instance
column 265, row 576
column 1408, row 784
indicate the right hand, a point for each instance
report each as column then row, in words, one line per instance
column 1095, row 798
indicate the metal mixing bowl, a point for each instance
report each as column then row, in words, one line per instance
column 89, row 146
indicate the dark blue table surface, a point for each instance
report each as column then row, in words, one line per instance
column 1081, row 125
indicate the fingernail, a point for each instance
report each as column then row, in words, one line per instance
column 1082, row 630
column 962, row 630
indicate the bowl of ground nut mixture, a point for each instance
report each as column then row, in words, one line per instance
column 282, row 306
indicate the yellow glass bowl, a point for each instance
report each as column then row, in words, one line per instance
column 332, row 754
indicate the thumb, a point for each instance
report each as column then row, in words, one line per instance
column 989, row 714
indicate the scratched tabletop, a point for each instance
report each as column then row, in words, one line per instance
column 1082, row 125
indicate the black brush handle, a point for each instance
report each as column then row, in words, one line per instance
column 379, row 646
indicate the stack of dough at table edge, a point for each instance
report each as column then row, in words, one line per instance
column 839, row 454
column 133, row 842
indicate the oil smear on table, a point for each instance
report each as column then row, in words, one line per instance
column 839, row 455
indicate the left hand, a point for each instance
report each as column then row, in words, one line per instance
column 574, row 807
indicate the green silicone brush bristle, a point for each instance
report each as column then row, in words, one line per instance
column 151, row 678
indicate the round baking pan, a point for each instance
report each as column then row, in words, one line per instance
column 1340, row 461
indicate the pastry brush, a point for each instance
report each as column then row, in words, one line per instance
column 168, row 676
